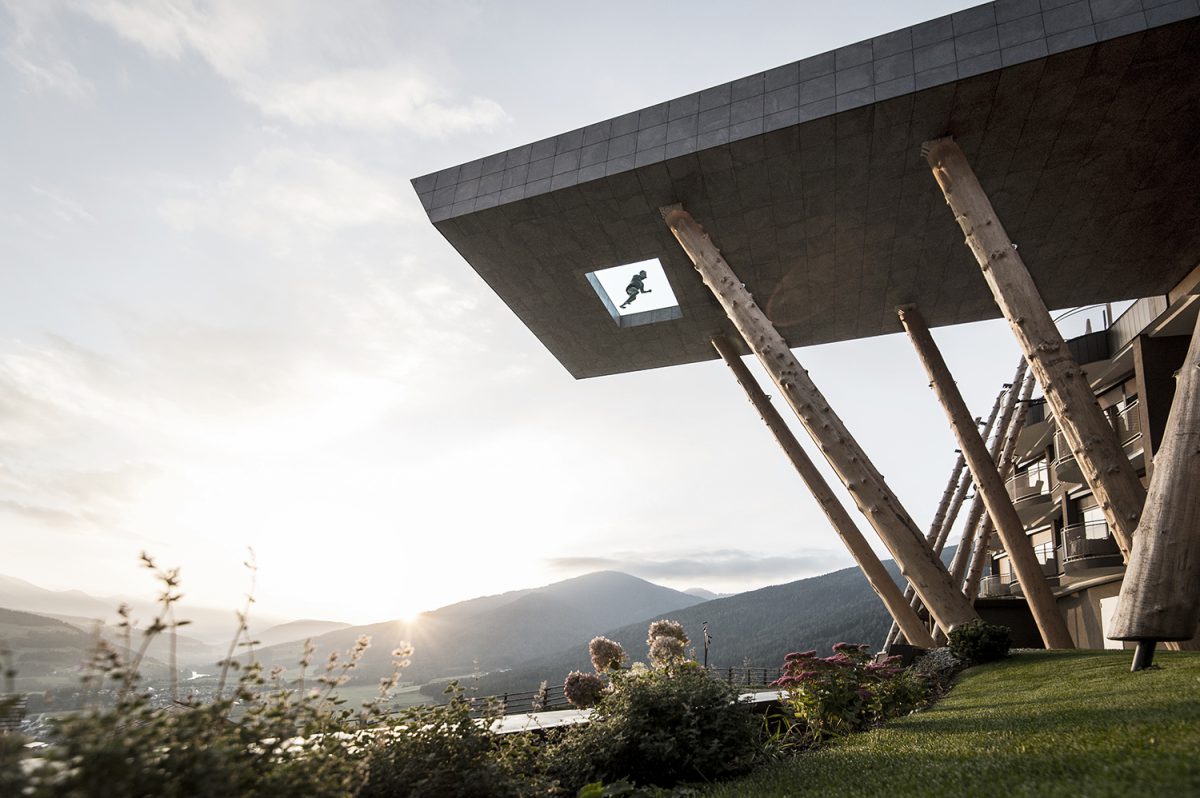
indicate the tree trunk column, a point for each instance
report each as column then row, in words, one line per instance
column 1093, row 441
column 962, row 555
column 935, row 526
column 877, row 576
column 1160, row 597
column 866, row 485
column 1004, row 465
column 989, row 484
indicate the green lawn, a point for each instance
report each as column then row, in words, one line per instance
column 1038, row 724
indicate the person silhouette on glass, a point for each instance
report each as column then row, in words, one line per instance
column 637, row 285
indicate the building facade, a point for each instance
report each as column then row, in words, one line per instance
column 1131, row 366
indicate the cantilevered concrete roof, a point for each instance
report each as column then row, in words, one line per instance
column 1082, row 120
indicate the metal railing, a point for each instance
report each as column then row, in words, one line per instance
column 1127, row 423
column 993, row 586
column 1088, row 539
column 553, row 698
column 1028, row 484
column 1062, row 449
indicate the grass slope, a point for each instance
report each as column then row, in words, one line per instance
column 1038, row 724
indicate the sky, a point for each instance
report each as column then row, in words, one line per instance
column 225, row 321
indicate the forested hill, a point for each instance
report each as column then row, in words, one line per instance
column 494, row 632
column 756, row 628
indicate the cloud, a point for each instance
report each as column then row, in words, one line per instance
column 267, row 54
column 32, row 50
column 62, row 206
column 711, row 566
column 378, row 99
column 288, row 198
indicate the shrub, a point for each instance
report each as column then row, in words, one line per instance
column 285, row 741
column 433, row 751
column 659, row 728
column 846, row 692
column 264, row 735
column 976, row 642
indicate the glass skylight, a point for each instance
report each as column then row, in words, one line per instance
column 619, row 286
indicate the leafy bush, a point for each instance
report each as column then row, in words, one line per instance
column 976, row 642
column 264, row 736
column 846, row 692
column 433, row 751
column 660, row 727
column 284, row 741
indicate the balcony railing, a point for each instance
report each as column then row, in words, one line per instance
column 1089, row 539
column 1028, row 484
column 1127, row 423
column 993, row 586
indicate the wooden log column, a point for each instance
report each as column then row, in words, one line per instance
column 988, row 483
column 962, row 555
column 866, row 485
column 935, row 526
column 877, row 576
column 945, row 517
column 1160, row 597
column 1004, row 466
column 1093, row 441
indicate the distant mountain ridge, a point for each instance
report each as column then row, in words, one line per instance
column 757, row 627
column 208, row 625
column 502, row 631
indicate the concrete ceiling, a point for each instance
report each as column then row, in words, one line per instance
column 1082, row 122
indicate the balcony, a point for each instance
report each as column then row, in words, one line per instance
column 1030, row 494
column 1089, row 546
column 1066, row 467
column 1050, row 570
column 993, row 586
column 1128, row 426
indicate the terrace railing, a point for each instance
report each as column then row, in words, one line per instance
column 1090, row 539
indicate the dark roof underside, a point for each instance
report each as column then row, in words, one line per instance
column 1091, row 157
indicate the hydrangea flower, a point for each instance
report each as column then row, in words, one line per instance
column 666, row 651
column 583, row 689
column 607, row 655
column 665, row 628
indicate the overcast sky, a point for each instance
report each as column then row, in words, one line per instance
column 226, row 322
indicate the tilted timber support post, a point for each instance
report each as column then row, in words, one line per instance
column 962, row 555
column 1160, row 597
column 1106, row 467
column 935, row 527
column 1004, row 465
column 872, row 495
column 989, row 484
column 877, row 576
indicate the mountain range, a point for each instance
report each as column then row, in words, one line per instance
column 207, row 625
column 506, row 642
column 499, row 632
column 755, row 628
